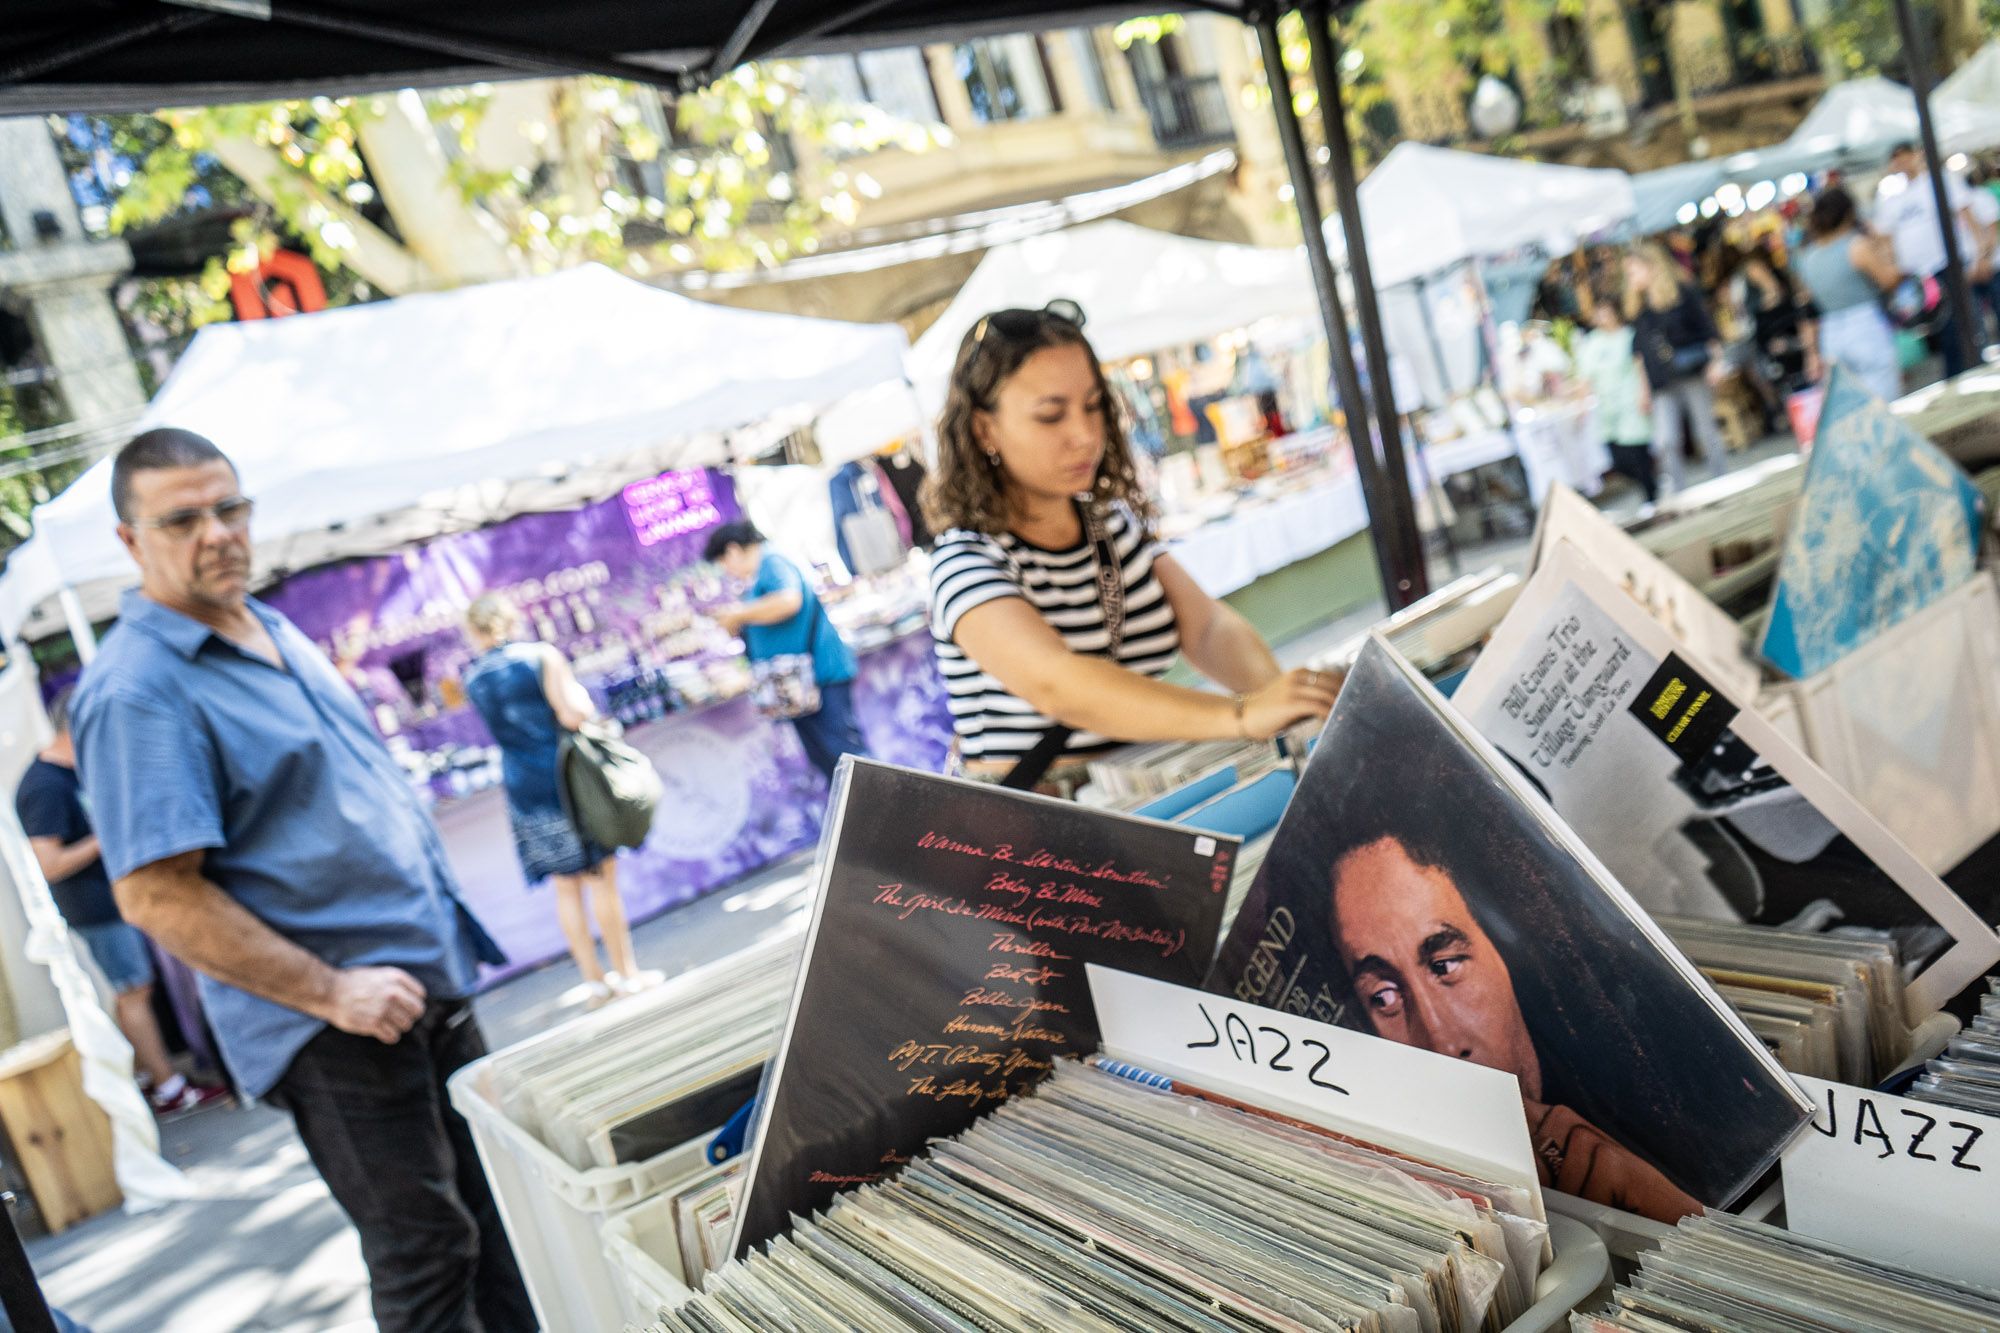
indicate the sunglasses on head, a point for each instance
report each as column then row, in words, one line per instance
column 1023, row 323
column 1014, row 324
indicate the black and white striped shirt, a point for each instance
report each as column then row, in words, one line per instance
column 969, row 569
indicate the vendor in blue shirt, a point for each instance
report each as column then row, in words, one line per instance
column 781, row 615
column 254, row 825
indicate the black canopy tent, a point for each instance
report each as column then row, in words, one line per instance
column 106, row 55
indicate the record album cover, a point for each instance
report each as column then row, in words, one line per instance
column 1887, row 525
column 1420, row 889
column 1699, row 806
column 1688, row 615
column 944, row 967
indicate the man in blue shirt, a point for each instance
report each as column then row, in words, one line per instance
column 254, row 825
column 780, row 615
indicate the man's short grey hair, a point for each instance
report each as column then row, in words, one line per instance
column 59, row 709
column 164, row 447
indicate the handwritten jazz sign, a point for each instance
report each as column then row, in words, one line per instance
column 1902, row 1181
column 1449, row 1112
column 944, row 968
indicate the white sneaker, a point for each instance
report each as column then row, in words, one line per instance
column 638, row 981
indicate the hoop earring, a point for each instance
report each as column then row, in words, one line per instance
column 993, row 458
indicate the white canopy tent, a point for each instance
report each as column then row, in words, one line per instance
column 1861, row 120
column 1140, row 289
column 361, row 429
column 1976, row 82
column 863, row 422
column 1427, row 209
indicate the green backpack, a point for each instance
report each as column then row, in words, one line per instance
column 610, row 791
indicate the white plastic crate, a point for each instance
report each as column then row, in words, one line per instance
column 642, row 1245
column 1624, row 1234
column 1579, row 1275
column 555, row 1213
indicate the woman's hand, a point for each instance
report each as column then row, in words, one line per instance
column 1294, row 697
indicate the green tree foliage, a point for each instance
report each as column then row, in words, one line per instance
column 1438, row 52
column 1860, row 37
column 745, row 171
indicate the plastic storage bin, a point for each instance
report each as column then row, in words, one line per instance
column 1579, row 1275
column 1624, row 1234
column 644, row 1252
column 641, row 1245
column 555, row 1213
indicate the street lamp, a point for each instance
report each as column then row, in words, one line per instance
column 1495, row 109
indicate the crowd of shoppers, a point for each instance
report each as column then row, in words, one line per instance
column 1773, row 301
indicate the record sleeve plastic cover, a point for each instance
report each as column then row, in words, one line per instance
column 1697, row 805
column 1887, row 525
column 944, row 967
column 1420, row 889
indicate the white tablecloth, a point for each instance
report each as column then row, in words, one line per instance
column 1562, row 443
column 1259, row 539
column 1558, row 443
column 1467, row 452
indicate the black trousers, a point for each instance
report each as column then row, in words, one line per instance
column 1636, row 461
column 400, row 1160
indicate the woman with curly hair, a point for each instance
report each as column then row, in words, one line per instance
column 1053, row 608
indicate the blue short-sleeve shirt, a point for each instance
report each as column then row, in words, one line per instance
column 185, row 742
column 833, row 660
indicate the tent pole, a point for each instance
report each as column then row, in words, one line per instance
column 1489, row 337
column 1347, row 379
column 1916, row 54
column 80, row 631
column 1417, row 435
column 21, row 1295
column 1431, row 339
column 1412, row 579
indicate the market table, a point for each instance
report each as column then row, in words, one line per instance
column 1261, row 538
column 1555, row 442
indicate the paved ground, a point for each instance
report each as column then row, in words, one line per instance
column 265, row 1249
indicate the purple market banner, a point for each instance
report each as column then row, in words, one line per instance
column 614, row 585
column 620, row 587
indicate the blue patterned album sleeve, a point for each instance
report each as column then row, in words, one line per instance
column 1887, row 525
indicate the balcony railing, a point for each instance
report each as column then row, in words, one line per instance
column 1188, row 112
column 1749, row 61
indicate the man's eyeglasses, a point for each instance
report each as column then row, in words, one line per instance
column 182, row 524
